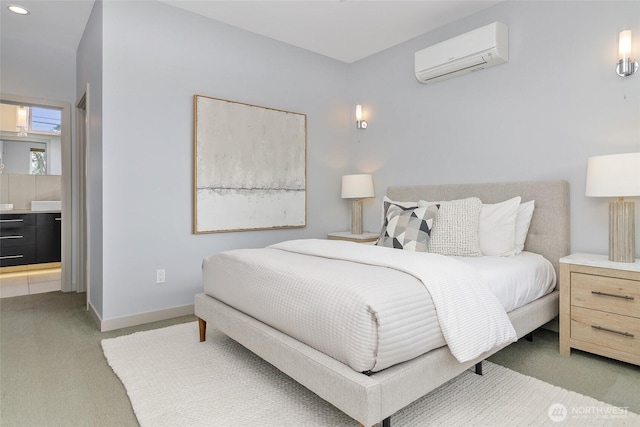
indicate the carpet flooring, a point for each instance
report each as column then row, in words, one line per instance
column 53, row 371
column 172, row 379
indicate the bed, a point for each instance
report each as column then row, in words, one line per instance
column 375, row 394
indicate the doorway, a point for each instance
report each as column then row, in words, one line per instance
column 67, row 263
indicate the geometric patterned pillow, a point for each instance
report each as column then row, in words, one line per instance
column 387, row 202
column 407, row 229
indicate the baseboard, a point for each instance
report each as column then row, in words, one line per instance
column 146, row 317
column 93, row 313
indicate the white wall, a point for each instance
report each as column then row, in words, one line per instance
column 89, row 70
column 557, row 102
column 155, row 58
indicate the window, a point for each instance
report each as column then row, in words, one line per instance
column 38, row 162
column 45, row 120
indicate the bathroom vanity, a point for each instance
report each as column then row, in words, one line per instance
column 28, row 237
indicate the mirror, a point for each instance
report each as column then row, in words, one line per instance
column 30, row 140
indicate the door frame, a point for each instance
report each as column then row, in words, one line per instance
column 82, row 192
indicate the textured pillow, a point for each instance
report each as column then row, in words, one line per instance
column 523, row 221
column 497, row 228
column 407, row 229
column 455, row 228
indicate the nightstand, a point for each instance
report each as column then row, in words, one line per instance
column 600, row 307
column 365, row 237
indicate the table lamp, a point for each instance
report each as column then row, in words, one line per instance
column 617, row 175
column 357, row 187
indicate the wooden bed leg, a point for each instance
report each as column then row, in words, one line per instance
column 202, row 326
column 529, row 337
column 479, row 368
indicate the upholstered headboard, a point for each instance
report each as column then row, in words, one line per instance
column 549, row 231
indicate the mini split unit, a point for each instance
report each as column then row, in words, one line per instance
column 473, row 51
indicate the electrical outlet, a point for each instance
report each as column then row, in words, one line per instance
column 160, row 277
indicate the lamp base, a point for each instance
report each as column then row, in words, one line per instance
column 356, row 216
column 622, row 232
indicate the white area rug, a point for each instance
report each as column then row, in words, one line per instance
column 174, row 380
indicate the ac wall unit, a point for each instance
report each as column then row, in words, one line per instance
column 473, row 51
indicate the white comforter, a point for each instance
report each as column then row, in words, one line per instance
column 471, row 318
column 365, row 315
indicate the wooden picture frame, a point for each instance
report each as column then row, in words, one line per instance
column 249, row 167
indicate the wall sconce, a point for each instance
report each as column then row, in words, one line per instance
column 21, row 122
column 626, row 65
column 360, row 124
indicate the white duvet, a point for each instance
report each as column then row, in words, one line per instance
column 367, row 306
column 471, row 318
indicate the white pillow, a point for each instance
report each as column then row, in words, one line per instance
column 455, row 228
column 497, row 228
column 523, row 221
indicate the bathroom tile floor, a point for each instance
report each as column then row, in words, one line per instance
column 29, row 282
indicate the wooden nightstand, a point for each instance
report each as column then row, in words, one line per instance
column 365, row 237
column 600, row 307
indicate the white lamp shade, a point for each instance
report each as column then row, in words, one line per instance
column 624, row 44
column 616, row 175
column 358, row 186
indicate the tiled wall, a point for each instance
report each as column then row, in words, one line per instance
column 21, row 190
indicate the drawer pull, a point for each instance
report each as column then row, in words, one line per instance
column 11, row 237
column 12, row 220
column 600, row 328
column 11, row 256
column 604, row 294
column 58, row 219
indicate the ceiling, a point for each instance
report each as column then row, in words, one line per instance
column 344, row 30
column 52, row 23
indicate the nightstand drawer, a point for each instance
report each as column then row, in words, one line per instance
column 606, row 329
column 610, row 294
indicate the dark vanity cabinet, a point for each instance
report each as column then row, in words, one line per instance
column 17, row 239
column 48, row 237
column 30, row 238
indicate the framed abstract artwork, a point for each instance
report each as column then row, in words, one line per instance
column 249, row 167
